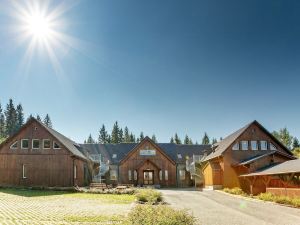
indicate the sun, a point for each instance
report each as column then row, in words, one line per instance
column 38, row 26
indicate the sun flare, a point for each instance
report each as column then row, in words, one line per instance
column 38, row 26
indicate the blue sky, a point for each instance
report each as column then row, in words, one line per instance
column 163, row 67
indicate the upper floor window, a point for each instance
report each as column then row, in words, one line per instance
column 244, row 145
column 46, row 144
column 236, row 146
column 56, row 145
column 263, row 145
column 14, row 145
column 272, row 147
column 182, row 174
column 254, row 145
column 24, row 143
column 35, row 143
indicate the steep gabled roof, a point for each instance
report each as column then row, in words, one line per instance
column 66, row 142
column 226, row 142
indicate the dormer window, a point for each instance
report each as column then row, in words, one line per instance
column 114, row 156
column 56, row 145
column 272, row 147
column 244, row 145
column 14, row 145
column 236, row 146
column 179, row 156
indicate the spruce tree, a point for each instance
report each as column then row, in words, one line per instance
column 214, row 141
column 205, row 139
column 121, row 136
column 137, row 140
column 284, row 137
column 127, row 138
column 296, row 143
column 154, row 138
column 2, row 124
column 177, row 139
column 186, row 140
column 47, row 121
column 115, row 134
column 172, row 140
column 29, row 117
column 190, row 141
column 11, row 118
column 103, row 136
column 141, row 136
column 38, row 118
column 132, row 138
column 90, row 140
column 20, row 116
column 109, row 139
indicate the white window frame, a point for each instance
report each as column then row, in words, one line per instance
column 129, row 175
column 35, row 140
column 44, row 143
column 264, row 149
column 166, row 175
column 55, row 142
column 242, row 145
column 272, row 147
column 256, row 144
column 22, row 143
column 115, row 177
column 24, row 171
column 11, row 146
column 135, row 176
column 75, row 171
column 182, row 174
column 236, row 146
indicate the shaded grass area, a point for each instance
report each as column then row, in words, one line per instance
column 107, row 198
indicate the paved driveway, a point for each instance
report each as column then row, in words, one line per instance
column 215, row 208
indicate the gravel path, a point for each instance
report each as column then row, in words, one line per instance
column 217, row 208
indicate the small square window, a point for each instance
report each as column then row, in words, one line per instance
column 46, row 144
column 236, row 146
column 263, row 145
column 14, row 145
column 35, row 143
column 244, row 145
column 254, row 145
column 24, row 144
column 56, row 145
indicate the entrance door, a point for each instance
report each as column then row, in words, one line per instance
column 148, row 177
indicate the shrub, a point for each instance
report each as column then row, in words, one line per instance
column 149, row 196
column 235, row 191
column 159, row 215
column 280, row 199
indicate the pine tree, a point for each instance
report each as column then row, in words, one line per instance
column 38, row 118
column 214, row 141
column 11, row 118
column 172, row 140
column 137, row 140
column 141, row 136
column 29, row 117
column 205, row 139
column 154, row 138
column 127, row 138
column 284, row 137
column 2, row 124
column 90, row 140
column 186, row 140
column 47, row 121
column 115, row 134
column 20, row 116
column 177, row 139
column 132, row 138
column 121, row 136
column 109, row 139
column 296, row 143
column 103, row 136
column 191, row 141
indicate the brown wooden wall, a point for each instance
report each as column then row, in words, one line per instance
column 158, row 162
column 44, row 167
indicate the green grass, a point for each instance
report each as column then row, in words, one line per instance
column 107, row 198
column 280, row 199
column 93, row 219
column 148, row 196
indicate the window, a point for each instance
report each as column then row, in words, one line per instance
column 236, row 146
column 56, row 145
column 272, row 147
column 182, row 174
column 129, row 175
column 114, row 156
column 24, row 171
column 179, row 156
column 113, row 175
column 24, row 144
column 35, row 143
column 14, row 145
column 160, row 175
column 254, row 145
column 244, row 145
column 166, row 175
column 263, row 145
column 75, row 172
column 135, row 175
column 46, row 144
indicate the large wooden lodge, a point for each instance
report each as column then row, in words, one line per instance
column 250, row 158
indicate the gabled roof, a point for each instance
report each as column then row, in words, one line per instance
column 66, row 142
column 290, row 166
column 226, row 142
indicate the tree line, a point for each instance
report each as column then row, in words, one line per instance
column 12, row 119
column 120, row 135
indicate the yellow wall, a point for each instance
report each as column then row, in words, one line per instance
column 208, row 176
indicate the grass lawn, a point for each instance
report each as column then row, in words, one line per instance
column 21, row 206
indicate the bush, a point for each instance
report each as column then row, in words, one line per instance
column 149, row 196
column 235, row 191
column 127, row 191
column 159, row 215
column 280, row 199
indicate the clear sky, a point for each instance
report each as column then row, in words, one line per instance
column 161, row 67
